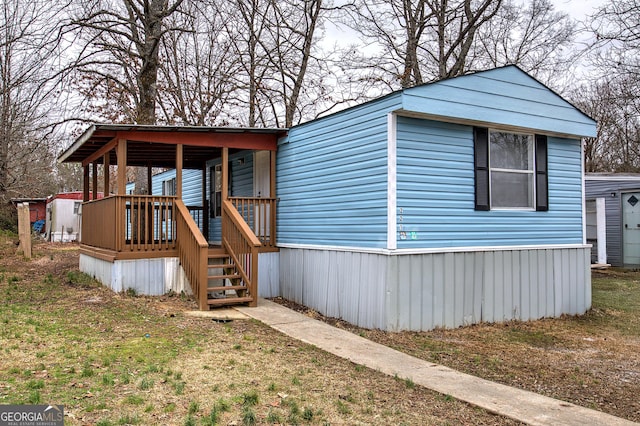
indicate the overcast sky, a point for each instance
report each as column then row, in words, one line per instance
column 578, row 9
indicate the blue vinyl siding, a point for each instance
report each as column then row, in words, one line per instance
column 611, row 187
column 436, row 193
column 505, row 96
column 191, row 185
column 241, row 174
column 332, row 179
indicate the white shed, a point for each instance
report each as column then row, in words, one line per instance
column 64, row 217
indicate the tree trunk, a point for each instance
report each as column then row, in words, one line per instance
column 313, row 10
column 149, row 51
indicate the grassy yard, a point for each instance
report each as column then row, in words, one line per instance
column 116, row 359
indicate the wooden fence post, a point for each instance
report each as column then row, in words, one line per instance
column 24, row 229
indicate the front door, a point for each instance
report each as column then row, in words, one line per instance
column 631, row 228
column 262, row 189
column 261, row 170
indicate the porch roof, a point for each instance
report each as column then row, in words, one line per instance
column 155, row 145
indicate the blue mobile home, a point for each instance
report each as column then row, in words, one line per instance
column 440, row 205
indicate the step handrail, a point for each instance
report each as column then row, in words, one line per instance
column 242, row 246
column 193, row 251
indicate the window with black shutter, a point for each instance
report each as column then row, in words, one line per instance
column 510, row 170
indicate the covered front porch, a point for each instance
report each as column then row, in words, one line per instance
column 127, row 237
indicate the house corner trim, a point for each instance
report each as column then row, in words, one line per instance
column 392, row 201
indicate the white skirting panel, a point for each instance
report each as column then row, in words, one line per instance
column 344, row 285
column 425, row 291
column 150, row 277
column 268, row 275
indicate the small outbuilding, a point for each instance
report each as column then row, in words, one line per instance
column 63, row 217
column 618, row 195
column 37, row 207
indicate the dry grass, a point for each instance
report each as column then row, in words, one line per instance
column 114, row 359
column 591, row 360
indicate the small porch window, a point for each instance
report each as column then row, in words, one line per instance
column 169, row 187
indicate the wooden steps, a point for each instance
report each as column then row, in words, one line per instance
column 224, row 284
column 224, row 277
column 226, row 288
column 226, row 301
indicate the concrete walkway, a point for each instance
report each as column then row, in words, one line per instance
column 524, row 406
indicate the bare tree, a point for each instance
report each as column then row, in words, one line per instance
column 536, row 37
column 250, row 28
column 276, row 44
column 292, row 27
column 616, row 27
column 615, row 105
column 120, row 42
column 420, row 40
column 613, row 98
column 119, row 58
column 456, row 29
column 28, row 60
column 199, row 67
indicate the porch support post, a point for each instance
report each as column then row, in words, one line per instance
column 225, row 174
column 121, row 154
column 107, row 169
column 85, row 184
column 149, row 168
column 94, row 186
column 179, row 159
column 205, row 205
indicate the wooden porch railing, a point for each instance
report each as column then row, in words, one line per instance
column 192, row 250
column 242, row 246
column 259, row 214
column 199, row 215
column 99, row 219
column 130, row 223
column 140, row 224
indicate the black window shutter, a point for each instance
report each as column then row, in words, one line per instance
column 542, row 181
column 481, row 164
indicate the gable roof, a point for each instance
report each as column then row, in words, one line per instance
column 505, row 96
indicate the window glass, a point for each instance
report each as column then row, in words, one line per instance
column 511, row 151
column 511, row 190
column 169, row 187
column 511, row 165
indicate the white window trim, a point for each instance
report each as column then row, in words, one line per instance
column 532, row 146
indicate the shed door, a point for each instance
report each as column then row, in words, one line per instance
column 631, row 228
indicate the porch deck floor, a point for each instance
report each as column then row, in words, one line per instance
column 521, row 405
